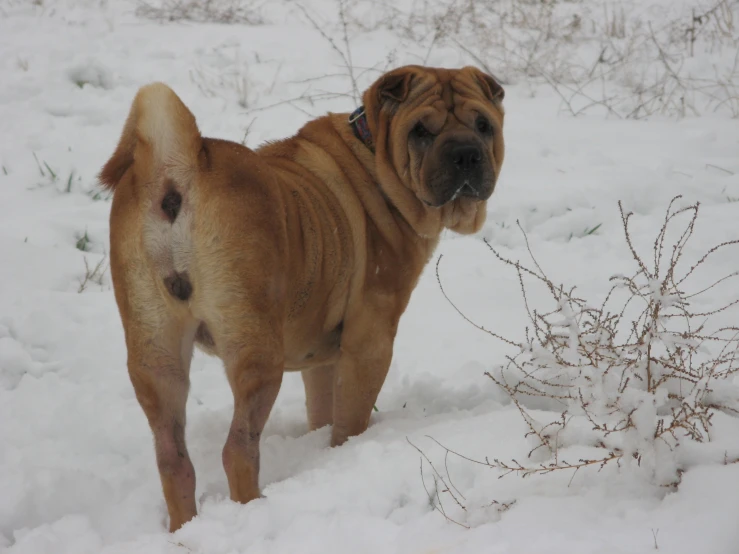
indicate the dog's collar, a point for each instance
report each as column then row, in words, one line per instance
column 358, row 121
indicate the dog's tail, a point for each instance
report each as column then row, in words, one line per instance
column 160, row 138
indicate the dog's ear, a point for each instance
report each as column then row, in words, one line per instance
column 395, row 85
column 387, row 93
column 489, row 84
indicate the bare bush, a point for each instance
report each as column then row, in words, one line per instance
column 596, row 56
column 443, row 486
column 337, row 32
column 93, row 275
column 344, row 51
column 233, row 82
column 633, row 377
column 606, row 56
column 202, row 11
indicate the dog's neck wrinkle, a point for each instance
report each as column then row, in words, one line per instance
column 425, row 221
column 369, row 162
column 381, row 212
column 350, row 176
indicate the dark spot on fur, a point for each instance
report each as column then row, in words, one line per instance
column 309, row 355
column 336, row 333
column 171, row 204
column 178, row 285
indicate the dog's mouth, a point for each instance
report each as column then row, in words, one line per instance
column 466, row 189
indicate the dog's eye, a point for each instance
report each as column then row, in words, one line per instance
column 483, row 125
column 420, row 131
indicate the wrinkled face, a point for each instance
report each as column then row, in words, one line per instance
column 452, row 157
column 445, row 137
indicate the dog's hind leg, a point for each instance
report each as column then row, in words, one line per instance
column 158, row 365
column 255, row 374
column 159, row 334
column 249, row 332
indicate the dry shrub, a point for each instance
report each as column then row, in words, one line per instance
column 634, row 377
column 629, row 61
column 225, row 74
column 348, row 80
column 93, row 275
column 202, row 11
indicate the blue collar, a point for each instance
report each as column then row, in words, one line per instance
column 358, row 121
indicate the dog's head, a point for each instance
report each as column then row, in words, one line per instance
column 438, row 134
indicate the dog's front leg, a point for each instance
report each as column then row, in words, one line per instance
column 319, row 395
column 366, row 352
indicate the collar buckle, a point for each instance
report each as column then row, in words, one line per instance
column 358, row 121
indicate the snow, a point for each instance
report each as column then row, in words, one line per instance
column 77, row 469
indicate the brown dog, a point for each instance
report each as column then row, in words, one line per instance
column 301, row 255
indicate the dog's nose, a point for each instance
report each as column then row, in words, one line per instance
column 466, row 156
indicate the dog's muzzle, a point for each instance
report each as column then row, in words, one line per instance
column 467, row 172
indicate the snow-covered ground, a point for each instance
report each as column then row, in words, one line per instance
column 77, row 469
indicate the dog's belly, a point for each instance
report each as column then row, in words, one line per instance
column 300, row 354
column 305, row 351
